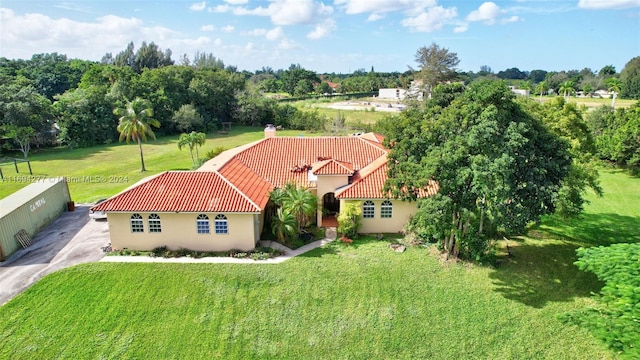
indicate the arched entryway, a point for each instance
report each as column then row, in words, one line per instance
column 330, row 209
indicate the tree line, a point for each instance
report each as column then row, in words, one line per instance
column 52, row 100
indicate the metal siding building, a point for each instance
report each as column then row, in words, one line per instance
column 31, row 208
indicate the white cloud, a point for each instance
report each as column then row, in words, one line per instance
column 257, row 32
column 236, row 2
column 198, row 6
column 323, row 29
column 207, row 28
column 287, row 44
column 289, row 12
column 227, row 28
column 220, row 9
column 488, row 12
column 25, row 35
column 374, row 17
column 460, row 29
column 511, row 19
column 274, row 34
column 432, row 19
column 385, row 6
column 608, row 4
column 217, row 42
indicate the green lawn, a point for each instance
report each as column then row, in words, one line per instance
column 354, row 302
column 102, row 171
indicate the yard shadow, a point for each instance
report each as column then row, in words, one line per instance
column 536, row 274
column 539, row 272
column 593, row 229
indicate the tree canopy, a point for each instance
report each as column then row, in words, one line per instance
column 498, row 167
column 436, row 65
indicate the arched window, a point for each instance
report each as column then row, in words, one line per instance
column 221, row 224
column 368, row 209
column 202, row 224
column 154, row 223
column 386, row 209
column 136, row 223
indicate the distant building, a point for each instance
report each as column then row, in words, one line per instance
column 521, row 92
column 414, row 92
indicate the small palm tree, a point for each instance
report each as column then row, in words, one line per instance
column 613, row 85
column 566, row 88
column 192, row 140
column 302, row 204
column 198, row 140
column 135, row 122
column 283, row 225
column 541, row 88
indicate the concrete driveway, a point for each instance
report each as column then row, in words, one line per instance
column 71, row 239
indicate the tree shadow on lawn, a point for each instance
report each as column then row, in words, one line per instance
column 541, row 268
column 538, row 273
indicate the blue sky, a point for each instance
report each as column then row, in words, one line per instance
column 334, row 35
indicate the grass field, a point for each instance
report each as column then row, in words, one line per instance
column 102, row 171
column 349, row 302
column 593, row 103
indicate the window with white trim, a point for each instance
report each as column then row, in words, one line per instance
column 202, row 224
column 220, row 224
column 386, row 209
column 368, row 209
column 137, row 224
column 154, row 223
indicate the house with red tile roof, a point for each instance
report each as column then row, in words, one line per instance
column 223, row 205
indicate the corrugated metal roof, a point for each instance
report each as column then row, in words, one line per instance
column 182, row 191
column 26, row 194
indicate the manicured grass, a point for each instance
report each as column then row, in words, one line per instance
column 359, row 301
column 102, row 171
column 592, row 103
column 369, row 117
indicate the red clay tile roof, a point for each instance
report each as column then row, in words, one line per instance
column 332, row 167
column 279, row 160
column 248, row 182
column 186, row 191
column 369, row 181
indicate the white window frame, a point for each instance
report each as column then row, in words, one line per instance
column 386, row 209
column 137, row 223
column 368, row 210
column 154, row 223
column 221, row 224
column 202, row 224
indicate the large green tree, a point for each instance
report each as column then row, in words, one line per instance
column 436, row 65
column 630, row 79
column 136, row 120
column 565, row 119
column 498, row 168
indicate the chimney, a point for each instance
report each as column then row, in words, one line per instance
column 269, row 131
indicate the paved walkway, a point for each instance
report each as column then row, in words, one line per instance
column 288, row 253
column 69, row 240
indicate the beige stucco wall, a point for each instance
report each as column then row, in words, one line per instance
column 179, row 231
column 402, row 212
column 328, row 184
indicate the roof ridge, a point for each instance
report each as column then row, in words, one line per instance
column 238, row 190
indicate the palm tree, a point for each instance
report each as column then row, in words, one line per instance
column 283, row 225
column 198, row 140
column 613, row 85
column 192, row 140
column 541, row 88
column 302, row 204
column 186, row 140
column 135, row 122
column 566, row 88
